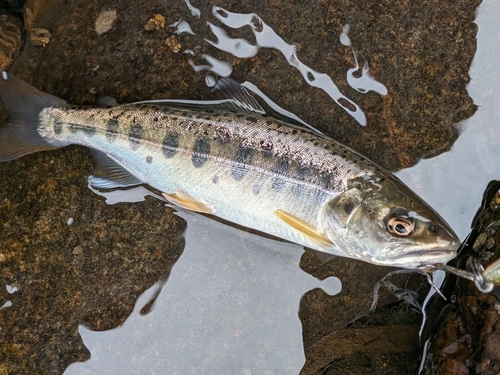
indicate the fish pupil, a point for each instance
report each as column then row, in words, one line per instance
column 400, row 228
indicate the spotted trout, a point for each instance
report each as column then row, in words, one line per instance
column 229, row 159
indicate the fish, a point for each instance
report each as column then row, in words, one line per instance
column 229, row 158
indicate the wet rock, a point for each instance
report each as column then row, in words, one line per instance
column 39, row 37
column 105, row 21
column 11, row 28
column 464, row 333
column 155, row 23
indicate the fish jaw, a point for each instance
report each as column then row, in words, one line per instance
column 422, row 257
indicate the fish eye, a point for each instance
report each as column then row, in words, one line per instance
column 401, row 226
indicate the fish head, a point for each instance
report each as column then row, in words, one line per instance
column 380, row 220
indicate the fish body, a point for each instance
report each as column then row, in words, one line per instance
column 227, row 158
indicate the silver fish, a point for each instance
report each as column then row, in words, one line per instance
column 229, row 159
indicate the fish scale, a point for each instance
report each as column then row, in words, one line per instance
column 230, row 159
column 238, row 172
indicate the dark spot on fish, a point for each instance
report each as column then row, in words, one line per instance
column 348, row 207
column 155, row 119
column 149, row 159
column 252, row 119
column 73, row 128
column 223, row 135
column 170, row 144
column 269, row 122
column 301, row 175
column 135, row 136
column 201, row 151
column 266, row 149
column 242, row 161
column 112, row 129
column 215, row 179
column 326, row 180
column 256, row 189
column 282, row 168
column 57, row 127
column 209, row 110
column 302, row 172
column 89, row 130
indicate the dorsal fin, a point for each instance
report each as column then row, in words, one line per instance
column 227, row 96
column 227, row 88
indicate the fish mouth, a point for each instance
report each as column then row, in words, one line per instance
column 429, row 255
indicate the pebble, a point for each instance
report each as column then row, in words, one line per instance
column 77, row 250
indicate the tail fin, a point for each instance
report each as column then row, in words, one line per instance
column 23, row 102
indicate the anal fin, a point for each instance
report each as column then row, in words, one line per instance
column 304, row 228
column 185, row 201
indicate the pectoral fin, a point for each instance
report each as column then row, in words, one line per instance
column 185, row 201
column 304, row 228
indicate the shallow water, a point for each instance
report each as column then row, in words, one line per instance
column 228, row 307
column 232, row 302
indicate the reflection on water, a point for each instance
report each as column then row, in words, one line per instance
column 266, row 37
column 229, row 306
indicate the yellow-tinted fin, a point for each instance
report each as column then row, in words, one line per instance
column 185, row 201
column 304, row 228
